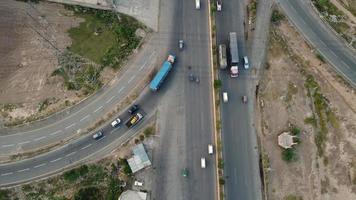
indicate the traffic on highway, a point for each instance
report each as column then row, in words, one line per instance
column 190, row 158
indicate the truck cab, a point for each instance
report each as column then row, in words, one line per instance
column 234, row 71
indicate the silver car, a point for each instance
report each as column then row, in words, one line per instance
column 181, row 44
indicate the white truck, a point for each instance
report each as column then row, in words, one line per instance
column 202, row 163
column 218, row 5
column 234, row 53
column 197, row 4
column 222, row 56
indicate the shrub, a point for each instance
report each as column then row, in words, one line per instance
column 277, row 16
column 149, row 131
column 217, row 84
column 289, row 155
column 221, row 181
column 74, row 174
column 89, row 193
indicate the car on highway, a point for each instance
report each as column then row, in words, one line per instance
column 203, row 163
column 181, row 44
column 116, row 123
column 185, row 172
column 210, row 149
column 194, row 78
column 225, row 97
column 244, row 99
column 98, row 135
column 197, row 4
column 134, row 108
column 218, row 5
column 246, row 65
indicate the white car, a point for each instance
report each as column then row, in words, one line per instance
column 246, row 65
column 181, row 44
column 218, row 5
column 210, row 149
column 138, row 183
column 202, row 163
column 116, row 123
column 197, row 4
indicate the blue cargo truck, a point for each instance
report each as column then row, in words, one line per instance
column 162, row 73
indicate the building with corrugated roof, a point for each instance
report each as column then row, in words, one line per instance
column 140, row 158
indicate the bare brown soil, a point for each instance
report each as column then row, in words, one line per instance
column 32, row 36
column 283, row 101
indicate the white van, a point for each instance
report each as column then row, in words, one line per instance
column 197, row 4
column 210, row 149
column 225, row 97
column 202, row 163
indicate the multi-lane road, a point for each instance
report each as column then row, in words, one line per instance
column 185, row 112
column 239, row 140
column 341, row 57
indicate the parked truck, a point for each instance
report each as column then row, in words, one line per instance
column 222, row 56
column 162, row 73
column 234, row 55
column 134, row 120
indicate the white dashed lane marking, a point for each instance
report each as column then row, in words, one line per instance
column 41, row 165
column 70, row 126
column 40, row 138
column 23, row 170
column 7, row 145
column 86, row 146
column 84, row 117
column 25, row 142
column 110, row 99
column 55, row 160
column 98, row 109
column 132, row 78
column 6, row 174
column 54, row 133
column 120, row 89
column 71, row 154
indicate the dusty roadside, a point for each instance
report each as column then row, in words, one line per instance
column 299, row 92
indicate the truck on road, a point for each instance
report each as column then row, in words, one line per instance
column 162, row 73
column 222, row 56
column 234, row 54
column 134, row 120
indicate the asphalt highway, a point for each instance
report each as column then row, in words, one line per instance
column 342, row 58
column 75, row 120
column 185, row 110
column 80, row 151
column 242, row 178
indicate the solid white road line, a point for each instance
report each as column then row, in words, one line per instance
column 54, row 133
column 41, row 165
column 7, row 145
column 40, row 138
column 25, row 142
column 55, row 160
column 23, row 170
column 6, row 174
column 110, row 99
column 86, row 146
column 98, row 109
column 70, row 126
column 84, row 117
column 70, row 154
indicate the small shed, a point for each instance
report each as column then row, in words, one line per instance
column 140, row 158
column 285, row 140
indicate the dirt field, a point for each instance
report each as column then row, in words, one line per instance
column 31, row 39
column 323, row 169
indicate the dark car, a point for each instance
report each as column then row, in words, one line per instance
column 98, row 135
column 133, row 109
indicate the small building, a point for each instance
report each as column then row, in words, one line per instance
column 133, row 195
column 140, row 158
column 285, row 140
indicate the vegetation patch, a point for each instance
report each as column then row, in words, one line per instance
column 289, row 155
column 277, row 16
column 104, row 37
column 293, row 197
